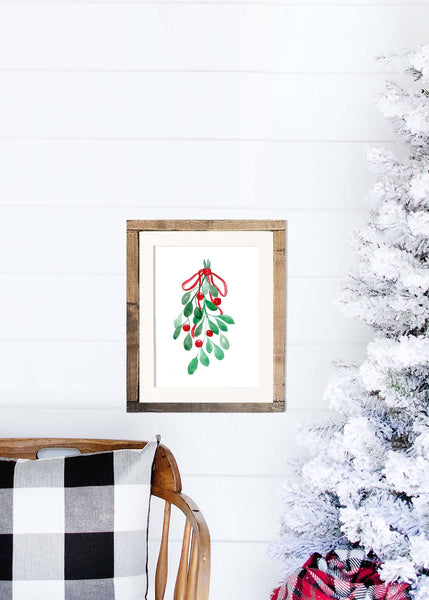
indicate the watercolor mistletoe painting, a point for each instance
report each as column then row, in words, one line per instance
column 201, row 301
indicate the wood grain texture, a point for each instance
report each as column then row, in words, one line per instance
column 162, row 564
column 278, row 228
column 204, row 407
column 166, row 473
column 182, row 574
column 205, row 225
column 279, row 317
column 133, row 321
column 193, row 570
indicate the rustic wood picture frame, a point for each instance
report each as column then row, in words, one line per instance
column 278, row 229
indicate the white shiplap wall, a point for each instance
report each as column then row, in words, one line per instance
column 114, row 110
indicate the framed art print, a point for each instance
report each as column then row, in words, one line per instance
column 205, row 316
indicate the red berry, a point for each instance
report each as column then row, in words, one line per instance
column 200, row 296
column 186, row 327
column 199, row 343
column 209, row 332
column 217, row 301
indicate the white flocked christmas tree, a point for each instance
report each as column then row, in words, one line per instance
column 366, row 480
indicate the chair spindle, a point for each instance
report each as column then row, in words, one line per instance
column 162, row 564
column 182, row 575
column 193, row 571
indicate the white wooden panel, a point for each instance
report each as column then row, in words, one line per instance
column 354, row 2
column 242, row 571
column 73, row 240
column 251, row 516
column 62, row 307
column 296, row 3
column 184, row 175
column 325, row 107
column 337, row 38
column 78, row 240
column 92, row 374
column 318, row 242
column 228, row 36
column 314, row 318
column 308, row 369
column 132, row 36
column 191, row 105
column 60, row 374
column 236, row 444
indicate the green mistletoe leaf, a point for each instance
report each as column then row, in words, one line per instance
column 178, row 321
column 185, row 298
column 198, row 329
column 213, row 326
column 218, row 352
column 187, row 342
column 224, row 341
column 227, row 319
column 209, row 346
column 198, row 313
column 205, row 287
column 204, row 359
column 221, row 324
column 177, row 332
column 213, row 291
column 188, row 309
column 192, row 367
column 210, row 305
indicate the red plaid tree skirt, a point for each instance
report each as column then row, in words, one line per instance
column 342, row 574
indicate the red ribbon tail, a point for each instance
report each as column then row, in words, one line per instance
column 197, row 277
column 225, row 287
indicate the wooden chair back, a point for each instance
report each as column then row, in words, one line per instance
column 192, row 581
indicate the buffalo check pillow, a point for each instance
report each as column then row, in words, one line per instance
column 75, row 528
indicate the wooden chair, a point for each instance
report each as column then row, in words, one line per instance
column 192, row 581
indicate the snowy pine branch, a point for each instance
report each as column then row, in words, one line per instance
column 366, row 480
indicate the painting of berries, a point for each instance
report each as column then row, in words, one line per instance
column 202, row 323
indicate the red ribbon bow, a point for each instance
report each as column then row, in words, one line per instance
column 197, row 277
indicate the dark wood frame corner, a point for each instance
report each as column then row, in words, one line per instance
column 278, row 228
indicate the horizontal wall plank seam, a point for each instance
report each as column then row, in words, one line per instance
column 219, row 2
column 122, row 274
column 116, row 409
column 232, row 476
column 62, row 341
column 183, row 209
column 221, row 541
column 200, row 71
column 123, row 341
column 177, row 540
column 186, row 139
column 37, row 272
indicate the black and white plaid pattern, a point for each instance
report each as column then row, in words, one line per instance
column 75, row 528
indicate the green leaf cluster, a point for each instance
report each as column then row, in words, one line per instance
column 201, row 319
